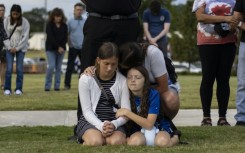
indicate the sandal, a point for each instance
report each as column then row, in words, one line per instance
column 206, row 122
column 223, row 122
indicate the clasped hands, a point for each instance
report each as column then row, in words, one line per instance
column 107, row 129
column 13, row 50
column 233, row 21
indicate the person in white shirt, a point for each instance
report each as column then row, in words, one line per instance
column 17, row 27
column 98, row 124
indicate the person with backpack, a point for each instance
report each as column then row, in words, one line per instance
column 161, row 73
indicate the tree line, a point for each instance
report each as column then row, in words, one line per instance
column 182, row 30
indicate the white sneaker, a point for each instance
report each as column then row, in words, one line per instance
column 18, row 92
column 7, row 92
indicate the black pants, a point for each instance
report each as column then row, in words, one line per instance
column 98, row 30
column 163, row 46
column 72, row 54
column 216, row 62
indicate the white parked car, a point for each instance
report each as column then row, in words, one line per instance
column 181, row 67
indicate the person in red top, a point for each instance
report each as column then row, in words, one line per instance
column 217, row 49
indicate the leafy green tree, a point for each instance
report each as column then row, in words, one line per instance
column 36, row 18
column 185, row 49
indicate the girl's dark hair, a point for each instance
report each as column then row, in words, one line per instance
column 57, row 12
column 155, row 7
column 131, row 54
column 107, row 50
column 145, row 96
column 16, row 8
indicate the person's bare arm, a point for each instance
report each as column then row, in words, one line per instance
column 162, row 83
column 148, row 35
column 205, row 18
column 146, row 123
column 240, row 23
column 163, row 32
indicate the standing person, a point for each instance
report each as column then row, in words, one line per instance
column 156, row 24
column 145, row 104
column 4, row 39
column 56, row 31
column 75, row 40
column 98, row 124
column 108, row 20
column 217, row 50
column 239, row 14
column 17, row 27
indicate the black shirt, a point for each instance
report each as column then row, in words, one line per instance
column 3, row 34
column 240, row 7
column 56, row 37
column 113, row 7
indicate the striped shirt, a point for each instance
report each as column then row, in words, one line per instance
column 104, row 110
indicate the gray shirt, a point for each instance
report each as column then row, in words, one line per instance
column 75, row 32
column 154, row 63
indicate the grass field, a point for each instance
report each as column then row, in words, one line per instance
column 54, row 140
column 34, row 97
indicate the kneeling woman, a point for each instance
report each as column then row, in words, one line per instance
column 145, row 104
column 98, row 124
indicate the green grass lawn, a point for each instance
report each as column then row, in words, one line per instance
column 189, row 95
column 54, row 139
column 35, row 98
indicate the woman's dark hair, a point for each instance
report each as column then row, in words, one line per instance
column 16, row 8
column 57, row 12
column 145, row 96
column 155, row 7
column 2, row 6
column 107, row 50
column 131, row 54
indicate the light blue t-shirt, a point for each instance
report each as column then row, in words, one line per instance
column 75, row 32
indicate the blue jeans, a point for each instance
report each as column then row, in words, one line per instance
column 19, row 69
column 54, row 63
column 240, row 97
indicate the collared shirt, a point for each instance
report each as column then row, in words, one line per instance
column 75, row 32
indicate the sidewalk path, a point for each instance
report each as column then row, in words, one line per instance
column 185, row 117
